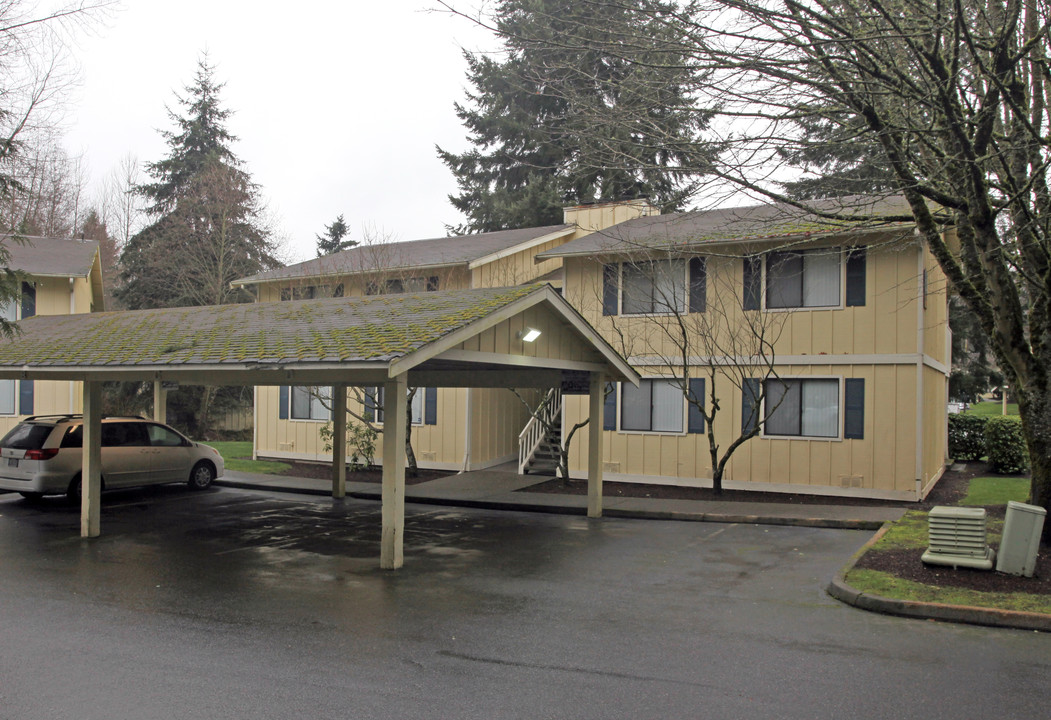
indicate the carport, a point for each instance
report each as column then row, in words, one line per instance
column 465, row 338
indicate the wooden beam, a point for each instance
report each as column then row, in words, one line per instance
column 393, row 494
column 596, row 399
column 339, row 441
column 91, row 462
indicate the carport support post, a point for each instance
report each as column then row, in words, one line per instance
column 339, row 441
column 596, row 400
column 394, row 413
column 160, row 402
column 91, row 464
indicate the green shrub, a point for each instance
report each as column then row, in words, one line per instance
column 1005, row 445
column 967, row 437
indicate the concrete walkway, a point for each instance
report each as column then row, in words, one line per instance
column 496, row 489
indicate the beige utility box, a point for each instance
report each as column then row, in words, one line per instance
column 1021, row 539
column 957, row 538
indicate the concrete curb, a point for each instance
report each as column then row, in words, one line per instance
column 843, row 592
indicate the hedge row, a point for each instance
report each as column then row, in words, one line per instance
column 972, row 437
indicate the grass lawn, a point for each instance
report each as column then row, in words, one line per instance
column 996, row 491
column 910, row 534
column 987, row 409
column 238, row 457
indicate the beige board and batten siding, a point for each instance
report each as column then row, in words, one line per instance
column 881, row 464
column 436, row 446
column 879, row 342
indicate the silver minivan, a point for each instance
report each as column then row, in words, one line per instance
column 42, row 456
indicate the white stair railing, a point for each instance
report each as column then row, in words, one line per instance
column 530, row 439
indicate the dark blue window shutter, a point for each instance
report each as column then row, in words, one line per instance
column 753, row 283
column 854, row 409
column 282, row 404
column 609, row 408
column 370, row 404
column 695, row 418
column 856, row 277
column 750, row 405
column 25, row 397
column 698, row 284
column 28, row 300
column 430, row 406
column 609, row 289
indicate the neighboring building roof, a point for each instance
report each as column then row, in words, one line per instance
column 415, row 254
column 774, row 221
column 51, row 257
column 336, row 334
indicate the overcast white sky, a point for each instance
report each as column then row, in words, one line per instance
column 337, row 105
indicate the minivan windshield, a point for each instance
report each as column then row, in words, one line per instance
column 27, row 436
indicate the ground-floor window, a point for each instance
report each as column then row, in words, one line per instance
column 423, row 409
column 654, row 406
column 8, row 399
column 802, row 408
column 311, row 403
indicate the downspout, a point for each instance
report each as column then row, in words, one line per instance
column 920, row 337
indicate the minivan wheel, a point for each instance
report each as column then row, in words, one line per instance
column 73, row 491
column 201, row 476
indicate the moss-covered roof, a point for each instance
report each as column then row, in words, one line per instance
column 376, row 328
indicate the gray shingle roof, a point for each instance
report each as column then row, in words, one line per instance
column 371, row 328
column 772, row 221
column 55, row 257
column 415, row 254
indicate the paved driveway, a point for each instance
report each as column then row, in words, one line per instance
column 237, row 604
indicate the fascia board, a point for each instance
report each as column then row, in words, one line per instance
column 520, row 247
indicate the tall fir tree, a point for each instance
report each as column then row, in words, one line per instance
column 205, row 228
column 205, row 231
column 334, row 239
column 559, row 76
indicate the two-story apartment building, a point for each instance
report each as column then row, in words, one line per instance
column 833, row 337
column 60, row 277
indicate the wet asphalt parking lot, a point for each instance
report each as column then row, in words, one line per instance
column 242, row 604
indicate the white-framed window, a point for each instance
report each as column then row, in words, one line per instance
column 802, row 407
column 395, row 286
column 311, row 403
column 656, row 405
column 415, row 408
column 654, row 287
column 8, row 397
column 804, row 279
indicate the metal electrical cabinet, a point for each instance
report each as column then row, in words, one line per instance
column 1021, row 539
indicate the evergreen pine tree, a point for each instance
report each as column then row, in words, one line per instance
column 332, row 241
column 527, row 114
column 205, row 229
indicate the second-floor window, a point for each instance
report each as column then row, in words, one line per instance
column 785, row 280
column 654, row 287
column 394, row 286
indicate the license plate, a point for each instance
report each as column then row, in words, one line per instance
column 12, row 462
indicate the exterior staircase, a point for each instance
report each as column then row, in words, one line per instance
column 539, row 442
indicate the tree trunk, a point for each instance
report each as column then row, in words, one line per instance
column 203, row 419
column 1034, row 406
column 412, row 470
